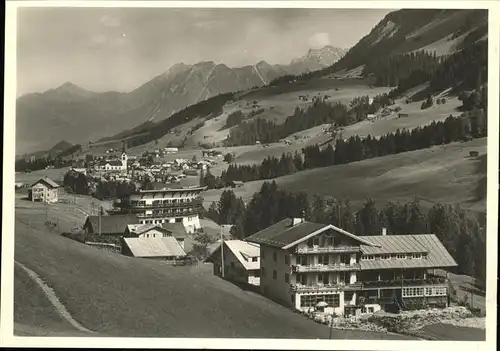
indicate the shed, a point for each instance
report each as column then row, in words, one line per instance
column 473, row 153
column 237, row 184
column 167, row 248
column 113, row 225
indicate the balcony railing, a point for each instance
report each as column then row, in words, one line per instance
column 327, row 249
column 170, row 215
column 326, row 267
column 326, row 287
column 128, row 205
column 398, row 282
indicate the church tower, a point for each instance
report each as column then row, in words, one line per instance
column 124, row 157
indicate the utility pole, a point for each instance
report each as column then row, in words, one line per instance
column 331, row 327
column 99, row 214
column 222, row 250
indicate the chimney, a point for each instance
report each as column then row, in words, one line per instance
column 296, row 221
column 384, row 231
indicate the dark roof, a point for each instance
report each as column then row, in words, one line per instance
column 283, row 234
column 437, row 255
column 111, row 224
column 47, row 181
column 177, row 229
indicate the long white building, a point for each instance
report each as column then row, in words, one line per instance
column 167, row 205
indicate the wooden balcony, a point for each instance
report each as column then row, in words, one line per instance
column 328, row 249
column 326, row 268
column 434, row 280
column 326, row 287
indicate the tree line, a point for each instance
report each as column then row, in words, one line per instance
column 78, row 183
column 462, row 233
column 318, row 113
column 469, row 125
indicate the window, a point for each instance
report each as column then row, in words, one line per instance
column 302, row 279
column 345, row 259
column 323, row 259
column 385, row 257
column 255, row 259
column 417, row 256
column 275, row 256
column 400, row 256
column 370, row 309
column 324, row 278
column 275, row 274
column 411, row 292
column 287, row 278
column 316, row 241
column 287, row 259
column 302, row 260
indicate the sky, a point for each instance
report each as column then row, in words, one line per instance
column 103, row 49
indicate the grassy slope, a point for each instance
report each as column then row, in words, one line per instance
column 120, row 296
column 442, row 174
column 32, row 308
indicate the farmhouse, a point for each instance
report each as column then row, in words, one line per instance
column 114, row 225
column 163, row 248
column 175, row 230
column 304, row 263
column 44, row 190
column 241, row 261
column 166, row 205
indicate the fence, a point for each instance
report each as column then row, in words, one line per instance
column 105, row 246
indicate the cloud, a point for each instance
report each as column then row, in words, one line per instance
column 110, row 21
column 108, row 40
column 319, row 40
column 207, row 24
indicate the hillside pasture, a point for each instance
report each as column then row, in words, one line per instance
column 120, row 296
column 439, row 174
column 56, row 174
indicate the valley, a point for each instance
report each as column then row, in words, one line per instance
column 206, row 155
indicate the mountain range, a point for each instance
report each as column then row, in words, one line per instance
column 75, row 114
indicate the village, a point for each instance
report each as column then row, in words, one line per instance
column 322, row 271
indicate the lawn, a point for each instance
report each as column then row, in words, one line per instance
column 119, row 296
column 438, row 174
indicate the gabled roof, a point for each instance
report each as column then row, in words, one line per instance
column 285, row 235
column 139, row 229
column 49, row 182
column 112, row 224
column 177, row 229
column 154, row 247
column 242, row 250
column 437, row 255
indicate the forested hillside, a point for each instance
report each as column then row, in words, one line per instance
column 462, row 234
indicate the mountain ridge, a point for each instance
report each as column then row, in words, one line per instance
column 81, row 115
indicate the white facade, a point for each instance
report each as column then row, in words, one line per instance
column 42, row 192
column 168, row 206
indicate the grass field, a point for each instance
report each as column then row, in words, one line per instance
column 56, row 174
column 114, row 295
column 438, row 174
